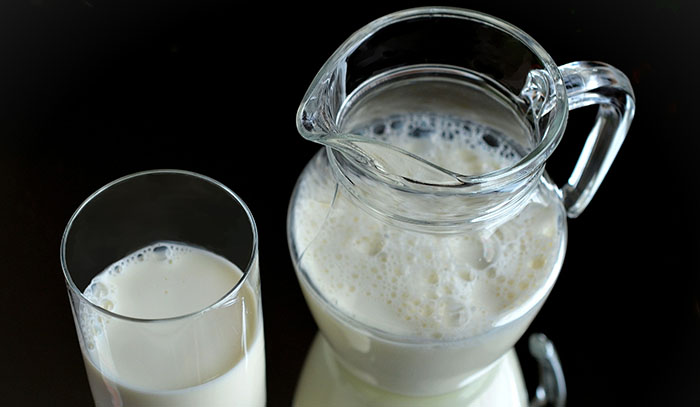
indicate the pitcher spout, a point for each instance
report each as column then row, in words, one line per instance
column 455, row 137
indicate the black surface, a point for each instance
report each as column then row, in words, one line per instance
column 93, row 90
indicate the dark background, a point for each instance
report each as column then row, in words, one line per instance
column 93, row 90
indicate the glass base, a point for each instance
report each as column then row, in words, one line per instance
column 323, row 382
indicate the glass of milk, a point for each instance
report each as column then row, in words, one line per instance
column 163, row 278
column 426, row 234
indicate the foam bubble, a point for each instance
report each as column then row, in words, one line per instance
column 461, row 146
column 103, row 293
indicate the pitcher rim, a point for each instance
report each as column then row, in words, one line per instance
column 527, row 164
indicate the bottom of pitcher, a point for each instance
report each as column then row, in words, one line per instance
column 325, row 382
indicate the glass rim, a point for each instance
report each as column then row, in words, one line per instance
column 221, row 301
column 550, row 136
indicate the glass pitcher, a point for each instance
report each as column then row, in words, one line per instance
column 426, row 235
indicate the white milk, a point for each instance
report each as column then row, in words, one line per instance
column 212, row 358
column 424, row 295
column 323, row 382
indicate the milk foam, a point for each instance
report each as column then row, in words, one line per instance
column 464, row 147
column 149, row 284
column 416, row 284
column 102, row 289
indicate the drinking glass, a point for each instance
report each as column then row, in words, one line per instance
column 138, row 351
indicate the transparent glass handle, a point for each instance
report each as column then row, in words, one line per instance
column 551, row 390
column 596, row 83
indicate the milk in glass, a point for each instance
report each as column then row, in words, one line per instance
column 212, row 357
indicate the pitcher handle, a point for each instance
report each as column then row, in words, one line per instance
column 551, row 391
column 589, row 83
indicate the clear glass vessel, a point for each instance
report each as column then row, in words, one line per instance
column 426, row 234
column 163, row 279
